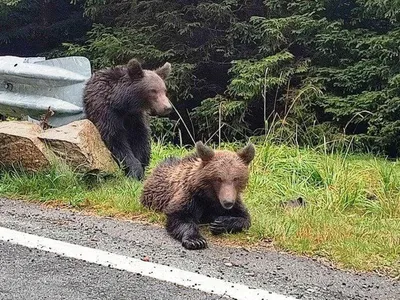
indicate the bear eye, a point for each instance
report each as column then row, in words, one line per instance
column 236, row 179
column 219, row 179
column 153, row 91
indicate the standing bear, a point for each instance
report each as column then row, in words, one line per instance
column 119, row 101
column 204, row 187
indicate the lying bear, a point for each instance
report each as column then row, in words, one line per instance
column 204, row 187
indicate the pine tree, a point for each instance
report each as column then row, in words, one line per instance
column 311, row 70
column 29, row 28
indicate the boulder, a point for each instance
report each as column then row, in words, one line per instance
column 21, row 147
column 79, row 144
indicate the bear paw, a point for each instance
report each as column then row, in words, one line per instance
column 218, row 227
column 194, row 243
column 135, row 173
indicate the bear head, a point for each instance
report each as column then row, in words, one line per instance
column 149, row 88
column 224, row 173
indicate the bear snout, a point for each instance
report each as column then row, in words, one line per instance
column 227, row 204
column 162, row 112
column 227, row 195
column 167, row 110
column 162, row 106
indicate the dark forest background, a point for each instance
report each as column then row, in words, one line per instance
column 299, row 71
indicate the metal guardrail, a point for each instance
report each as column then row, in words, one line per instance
column 29, row 86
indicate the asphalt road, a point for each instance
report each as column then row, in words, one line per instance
column 34, row 274
column 27, row 273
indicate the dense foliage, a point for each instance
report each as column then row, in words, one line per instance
column 29, row 28
column 296, row 70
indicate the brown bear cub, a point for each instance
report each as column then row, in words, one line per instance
column 119, row 101
column 204, row 187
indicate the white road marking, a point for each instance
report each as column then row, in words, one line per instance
column 149, row 269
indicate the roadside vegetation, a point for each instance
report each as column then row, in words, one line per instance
column 351, row 217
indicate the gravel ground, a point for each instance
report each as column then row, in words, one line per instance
column 285, row 274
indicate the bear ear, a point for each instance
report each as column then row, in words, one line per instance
column 164, row 71
column 247, row 153
column 204, row 152
column 135, row 70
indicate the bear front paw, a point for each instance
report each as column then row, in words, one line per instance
column 135, row 173
column 194, row 243
column 218, row 227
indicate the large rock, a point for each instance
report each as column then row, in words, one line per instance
column 20, row 146
column 80, row 145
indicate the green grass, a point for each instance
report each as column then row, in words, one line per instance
column 352, row 217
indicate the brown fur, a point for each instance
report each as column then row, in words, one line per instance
column 202, row 187
column 171, row 186
column 118, row 101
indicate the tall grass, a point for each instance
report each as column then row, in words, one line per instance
column 353, row 211
column 352, row 216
